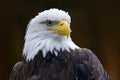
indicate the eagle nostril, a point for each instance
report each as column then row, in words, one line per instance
column 61, row 24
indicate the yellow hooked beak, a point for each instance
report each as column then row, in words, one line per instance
column 62, row 28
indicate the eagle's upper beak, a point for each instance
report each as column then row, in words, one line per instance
column 62, row 28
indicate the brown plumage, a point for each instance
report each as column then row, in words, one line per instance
column 80, row 64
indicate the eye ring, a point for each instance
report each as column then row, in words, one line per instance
column 49, row 23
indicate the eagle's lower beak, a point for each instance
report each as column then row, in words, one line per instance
column 62, row 28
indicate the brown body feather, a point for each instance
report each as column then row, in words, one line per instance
column 80, row 64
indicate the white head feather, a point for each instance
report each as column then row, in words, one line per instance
column 38, row 37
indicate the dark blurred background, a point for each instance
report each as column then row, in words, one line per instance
column 95, row 25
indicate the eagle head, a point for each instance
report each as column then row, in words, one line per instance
column 48, row 31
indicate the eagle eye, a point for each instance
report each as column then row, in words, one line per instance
column 49, row 23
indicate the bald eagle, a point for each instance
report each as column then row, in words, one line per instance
column 50, row 53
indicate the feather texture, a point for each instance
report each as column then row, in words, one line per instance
column 80, row 64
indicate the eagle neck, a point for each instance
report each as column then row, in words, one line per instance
column 47, row 44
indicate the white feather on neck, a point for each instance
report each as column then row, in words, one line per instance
column 36, row 42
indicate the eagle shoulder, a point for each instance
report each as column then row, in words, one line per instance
column 15, row 74
column 89, row 67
